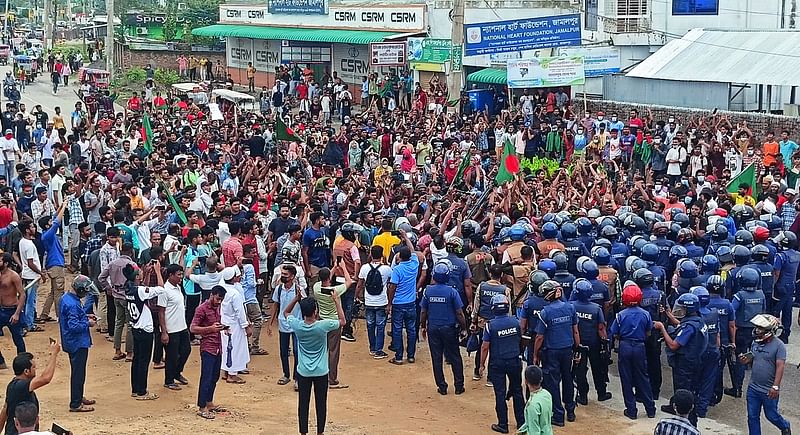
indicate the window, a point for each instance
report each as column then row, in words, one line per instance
column 590, row 15
column 695, row 7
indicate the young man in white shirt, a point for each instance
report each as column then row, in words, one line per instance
column 174, row 332
column 141, row 323
column 375, row 301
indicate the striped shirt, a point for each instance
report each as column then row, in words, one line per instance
column 675, row 426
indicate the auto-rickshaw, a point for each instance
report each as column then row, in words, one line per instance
column 25, row 63
column 95, row 78
column 5, row 51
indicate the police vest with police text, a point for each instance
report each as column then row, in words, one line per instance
column 505, row 337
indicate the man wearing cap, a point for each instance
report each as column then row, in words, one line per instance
column 235, row 350
column 788, row 207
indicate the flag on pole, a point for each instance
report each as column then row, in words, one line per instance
column 748, row 175
column 509, row 165
column 147, row 133
column 173, row 203
column 459, row 178
column 283, row 132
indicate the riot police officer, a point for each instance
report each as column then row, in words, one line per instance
column 760, row 256
column 562, row 275
column 707, row 375
column 709, row 265
column 441, row 316
column 719, row 237
column 501, row 339
column 572, row 246
column 549, row 242
column 660, row 230
column 727, row 331
column 747, row 303
column 594, row 344
column 548, row 266
column 650, row 254
column 619, row 250
column 585, row 232
column 529, row 318
column 482, row 307
column 688, row 277
column 653, row 300
column 741, row 258
column 556, row 338
column 686, row 350
column 607, row 274
column 631, row 328
column 786, row 264
column 600, row 295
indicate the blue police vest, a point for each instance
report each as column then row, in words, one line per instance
column 693, row 352
column 565, row 280
column 651, row 298
column 505, row 336
column 587, row 241
column 532, row 306
column 664, row 246
column 751, row 304
column 589, row 315
column 695, row 252
column 574, row 249
column 711, row 319
column 441, row 305
column 619, row 252
column 556, row 325
column 767, row 279
column 486, row 292
column 457, row 273
column 788, row 274
column 599, row 292
column 659, row 277
column 684, row 284
column 724, row 310
column 731, row 288
column 773, row 251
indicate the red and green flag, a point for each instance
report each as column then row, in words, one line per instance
column 459, row 178
column 283, row 132
column 147, row 133
column 174, row 203
column 509, row 165
column 748, row 175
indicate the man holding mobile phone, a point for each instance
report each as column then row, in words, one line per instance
column 323, row 293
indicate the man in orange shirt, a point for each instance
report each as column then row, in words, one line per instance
column 771, row 149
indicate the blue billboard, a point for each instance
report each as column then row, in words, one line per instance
column 522, row 34
column 310, row 7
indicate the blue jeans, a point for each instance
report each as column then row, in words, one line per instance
column 209, row 374
column 16, row 329
column 376, row 327
column 755, row 401
column 404, row 315
column 29, row 312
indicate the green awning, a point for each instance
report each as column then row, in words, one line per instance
column 492, row 76
column 292, row 33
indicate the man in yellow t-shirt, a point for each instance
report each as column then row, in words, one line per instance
column 741, row 197
column 386, row 240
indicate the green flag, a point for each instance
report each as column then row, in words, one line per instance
column 748, row 175
column 282, row 132
column 147, row 133
column 509, row 165
column 459, row 178
column 173, row 203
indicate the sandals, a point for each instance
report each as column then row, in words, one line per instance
column 157, row 366
column 283, row 381
column 238, row 380
column 35, row 328
column 148, row 396
column 118, row 357
column 259, row 351
column 206, row 414
column 336, row 385
column 173, row 387
column 219, row 409
column 86, row 401
column 82, row 408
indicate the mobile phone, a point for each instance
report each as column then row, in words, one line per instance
column 326, row 290
column 58, row 430
column 396, row 233
column 52, row 340
column 747, row 355
column 338, row 259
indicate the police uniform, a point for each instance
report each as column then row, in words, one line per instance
column 727, row 356
column 631, row 327
column 503, row 334
column 619, row 252
column 695, row 252
column 459, row 273
column 555, row 327
column 664, row 246
column 767, row 280
column 565, row 279
column 441, row 303
column 786, row 263
column 574, row 250
column 692, row 336
column 708, row 373
column 530, row 311
column 483, row 309
column 746, row 304
column 652, row 301
column 590, row 317
column 610, row 277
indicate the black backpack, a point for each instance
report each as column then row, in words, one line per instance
column 374, row 282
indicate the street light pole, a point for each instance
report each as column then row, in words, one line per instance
column 457, row 39
column 110, row 36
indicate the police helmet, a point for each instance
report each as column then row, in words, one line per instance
column 686, row 304
column 560, row 258
column 681, row 219
column 604, row 243
column 748, row 279
column 631, row 294
column 601, row 256
column 609, row 232
column 351, row 230
column 590, row 270
column 82, row 285
column 637, row 245
column 535, row 279
column 517, row 232
column 569, row 231
column 593, row 213
column 720, row 233
column 643, row 277
column 549, row 230
column 548, row 266
column 744, row 238
column 583, row 289
column 687, row 268
column 609, row 221
column 504, row 235
column 759, row 253
column 774, row 223
column 789, row 240
column 702, row 294
column 500, row 304
column 685, row 235
column 741, row 255
column 632, row 262
column 549, row 217
column 470, row 227
column 650, row 253
column 636, row 225
column 725, row 254
column 441, row 271
column 584, row 225
column 677, row 252
column 502, row 221
column 760, row 234
column 550, row 290
column 660, row 228
column 715, row 284
column 709, row 264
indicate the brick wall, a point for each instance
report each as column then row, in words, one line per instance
column 759, row 123
column 167, row 59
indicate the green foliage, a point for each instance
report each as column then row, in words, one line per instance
column 170, row 27
column 549, row 166
column 136, row 75
column 166, row 77
column 199, row 13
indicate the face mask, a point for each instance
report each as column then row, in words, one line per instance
column 614, row 118
column 701, row 178
column 401, row 206
column 750, row 152
column 599, row 118
column 685, row 182
column 658, row 187
column 427, row 161
column 284, row 279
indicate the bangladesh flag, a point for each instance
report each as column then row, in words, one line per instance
column 147, row 133
column 459, row 178
column 174, row 203
column 509, row 165
column 283, row 132
column 748, row 175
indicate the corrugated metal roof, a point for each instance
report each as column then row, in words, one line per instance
column 493, row 76
column 765, row 57
column 292, row 33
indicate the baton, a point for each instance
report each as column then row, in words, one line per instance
column 30, row 284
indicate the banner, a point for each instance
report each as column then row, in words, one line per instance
column 546, row 72
column 429, row 50
column 307, row 7
column 522, row 34
column 598, row 61
column 457, row 58
column 401, row 18
column 387, row 54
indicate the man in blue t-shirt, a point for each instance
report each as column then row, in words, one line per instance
column 316, row 248
column 402, row 294
column 54, row 261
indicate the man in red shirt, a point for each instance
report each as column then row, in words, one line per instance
column 207, row 324
column 232, row 250
column 134, row 103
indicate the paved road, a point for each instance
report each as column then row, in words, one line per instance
column 41, row 92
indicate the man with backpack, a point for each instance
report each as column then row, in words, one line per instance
column 371, row 289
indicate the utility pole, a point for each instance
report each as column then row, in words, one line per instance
column 48, row 24
column 457, row 39
column 110, row 36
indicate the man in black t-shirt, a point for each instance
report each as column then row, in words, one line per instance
column 25, row 383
